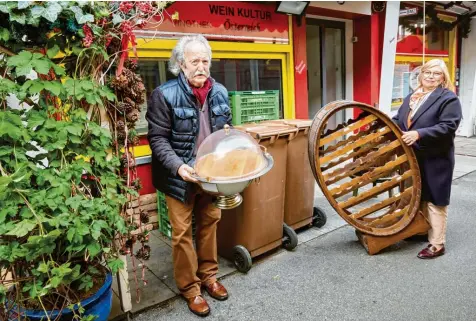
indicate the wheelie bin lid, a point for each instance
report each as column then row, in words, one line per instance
column 267, row 130
column 298, row 123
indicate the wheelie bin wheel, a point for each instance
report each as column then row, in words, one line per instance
column 242, row 258
column 319, row 218
column 290, row 239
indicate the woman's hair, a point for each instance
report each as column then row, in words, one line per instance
column 446, row 82
column 177, row 57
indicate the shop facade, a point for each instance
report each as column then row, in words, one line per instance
column 436, row 30
column 421, row 34
column 336, row 56
column 467, row 83
column 330, row 53
column 252, row 51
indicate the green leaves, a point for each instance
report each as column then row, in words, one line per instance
column 20, row 18
column 53, row 86
column 12, row 127
column 37, row 11
column 94, row 249
column 24, row 4
column 4, row 34
column 52, row 11
column 117, row 19
column 81, row 18
column 60, row 189
column 22, row 228
column 115, row 265
column 86, row 283
column 35, row 289
column 92, row 92
column 25, row 62
column 22, row 59
column 4, row 182
column 53, row 51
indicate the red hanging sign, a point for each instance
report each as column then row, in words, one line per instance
column 220, row 20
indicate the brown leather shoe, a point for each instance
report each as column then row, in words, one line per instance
column 430, row 252
column 217, row 291
column 198, row 305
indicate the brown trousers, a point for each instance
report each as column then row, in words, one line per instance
column 194, row 268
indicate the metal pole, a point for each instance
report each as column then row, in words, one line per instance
column 424, row 25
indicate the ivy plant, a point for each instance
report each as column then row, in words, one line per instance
column 66, row 123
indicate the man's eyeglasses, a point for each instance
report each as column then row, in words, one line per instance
column 195, row 62
column 435, row 74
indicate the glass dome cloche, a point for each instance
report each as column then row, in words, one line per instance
column 226, row 163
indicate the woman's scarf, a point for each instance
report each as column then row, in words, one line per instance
column 415, row 100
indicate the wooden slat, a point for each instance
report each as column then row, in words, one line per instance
column 367, row 178
column 359, row 165
column 346, row 130
column 355, row 145
column 383, row 204
column 351, row 155
column 351, row 139
column 398, row 213
column 375, row 190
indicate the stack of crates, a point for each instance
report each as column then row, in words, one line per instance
column 164, row 223
column 254, row 106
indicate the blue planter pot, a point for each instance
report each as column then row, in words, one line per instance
column 99, row 304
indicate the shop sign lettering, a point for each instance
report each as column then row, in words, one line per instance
column 408, row 12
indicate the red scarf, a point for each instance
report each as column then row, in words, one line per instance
column 201, row 93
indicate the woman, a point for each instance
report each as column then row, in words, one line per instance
column 429, row 118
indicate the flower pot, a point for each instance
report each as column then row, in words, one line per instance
column 99, row 304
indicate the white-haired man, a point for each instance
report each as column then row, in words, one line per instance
column 181, row 114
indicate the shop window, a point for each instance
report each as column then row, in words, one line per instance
column 410, row 46
column 404, row 81
column 410, row 35
column 234, row 74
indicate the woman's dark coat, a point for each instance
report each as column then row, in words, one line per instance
column 436, row 122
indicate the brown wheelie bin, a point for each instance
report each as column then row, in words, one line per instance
column 256, row 226
column 299, row 207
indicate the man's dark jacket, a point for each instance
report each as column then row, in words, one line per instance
column 172, row 114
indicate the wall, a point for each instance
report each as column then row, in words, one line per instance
column 300, row 69
column 362, row 54
column 468, row 83
column 359, row 7
column 314, row 69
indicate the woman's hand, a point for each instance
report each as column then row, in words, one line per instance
column 410, row 137
column 186, row 172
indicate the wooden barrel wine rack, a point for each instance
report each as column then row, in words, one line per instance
column 365, row 154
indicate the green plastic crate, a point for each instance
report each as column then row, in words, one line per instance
column 164, row 223
column 254, row 106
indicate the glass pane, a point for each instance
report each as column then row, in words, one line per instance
column 333, row 90
column 333, row 50
column 410, row 46
column 313, row 69
column 234, row 74
column 404, row 80
column 154, row 73
column 410, row 35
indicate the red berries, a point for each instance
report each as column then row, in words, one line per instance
column 88, row 36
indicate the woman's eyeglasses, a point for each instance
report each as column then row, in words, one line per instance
column 436, row 74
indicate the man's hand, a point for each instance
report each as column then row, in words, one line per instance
column 186, row 172
column 410, row 137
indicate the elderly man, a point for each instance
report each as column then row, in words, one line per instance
column 181, row 114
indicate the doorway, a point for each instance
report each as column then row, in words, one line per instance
column 325, row 43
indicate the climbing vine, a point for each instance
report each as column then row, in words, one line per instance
column 70, row 97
